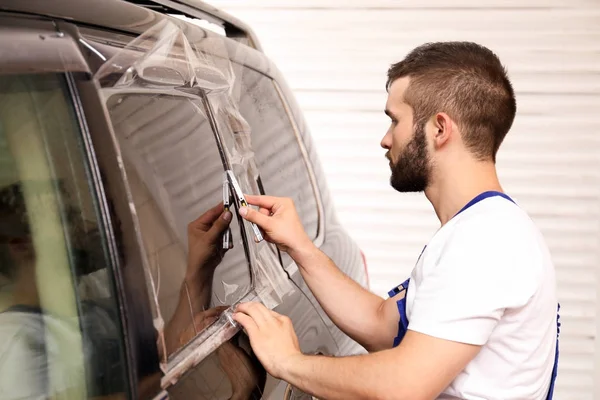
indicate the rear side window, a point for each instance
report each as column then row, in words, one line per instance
column 60, row 332
column 169, row 124
column 282, row 166
column 176, row 177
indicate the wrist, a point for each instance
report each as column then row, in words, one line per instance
column 196, row 285
column 303, row 252
column 199, row 277
column 290, row 368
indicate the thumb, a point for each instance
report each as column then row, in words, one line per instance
column 247, row 323
column 258, row 218
column 219, row 226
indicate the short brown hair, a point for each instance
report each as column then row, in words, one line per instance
column 466, row 81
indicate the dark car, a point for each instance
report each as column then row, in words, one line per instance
column 126, row 128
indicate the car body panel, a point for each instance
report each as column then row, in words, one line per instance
column 100, row 29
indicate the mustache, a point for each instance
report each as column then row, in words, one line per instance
column 387, row 155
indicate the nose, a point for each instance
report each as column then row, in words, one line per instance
column 386, row 142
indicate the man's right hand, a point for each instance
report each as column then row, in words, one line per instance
column 278, row 218
column 363, row 316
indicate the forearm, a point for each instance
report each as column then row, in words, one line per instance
column 355, row 310
column 196, row 290
column 194, row 297
column 356, row 377
column 419, row 369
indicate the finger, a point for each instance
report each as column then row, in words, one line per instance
column 265, row 211
column 215, row 311
column 247, row 322
column 258, row 218
column 219, row 226
column 281, row 318
column 267, row 202
column 201, row 321
column 209, row 321
column 259, row 313
column 206, row 220
column 284, row 319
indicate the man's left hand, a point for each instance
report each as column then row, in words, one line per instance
column 272, row 337
column 205, row 243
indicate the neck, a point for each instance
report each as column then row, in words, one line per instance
column 450, row 192
column 26, row 292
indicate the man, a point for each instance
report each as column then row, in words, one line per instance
column 477, row 319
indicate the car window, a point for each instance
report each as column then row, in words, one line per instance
column 176, row 108
column 176, row 176
column 60, row 331
column 281, row 164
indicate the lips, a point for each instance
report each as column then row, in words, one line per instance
column 387, row 155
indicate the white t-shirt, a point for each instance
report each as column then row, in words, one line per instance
column 33, row 364
column 486, row 278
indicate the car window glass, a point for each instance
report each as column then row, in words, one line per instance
column 60, row 331
column 280, row 161
column 169, row 110
column 176, row 177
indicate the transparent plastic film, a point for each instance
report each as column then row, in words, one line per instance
column 270, row 282
column 238, row 143
column 189, row 160
column 163, row 58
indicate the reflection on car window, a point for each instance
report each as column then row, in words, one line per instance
column 60, row 333
column 230, row 373
column 176, row 177
column 283, row 171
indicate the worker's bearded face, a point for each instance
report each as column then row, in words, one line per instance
column 411, row 173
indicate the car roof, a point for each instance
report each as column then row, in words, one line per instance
column 132, row 16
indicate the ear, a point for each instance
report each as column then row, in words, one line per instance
column 443, row 129
column 20, row 249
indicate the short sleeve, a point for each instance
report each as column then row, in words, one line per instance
column 22, row 361
column 482, row 270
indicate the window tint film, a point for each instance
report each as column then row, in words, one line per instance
column 60, row 332
column 176, row 176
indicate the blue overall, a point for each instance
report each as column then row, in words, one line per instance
column 403, row 287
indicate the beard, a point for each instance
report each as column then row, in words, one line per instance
column 412, row 171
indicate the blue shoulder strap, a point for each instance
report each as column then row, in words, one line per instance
column 403, row 287
column 555, row 368
column 403, row 322
column 483, row 196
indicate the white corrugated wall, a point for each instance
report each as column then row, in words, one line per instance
column 335, row 54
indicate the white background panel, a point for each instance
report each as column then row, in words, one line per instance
column 335, row 55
